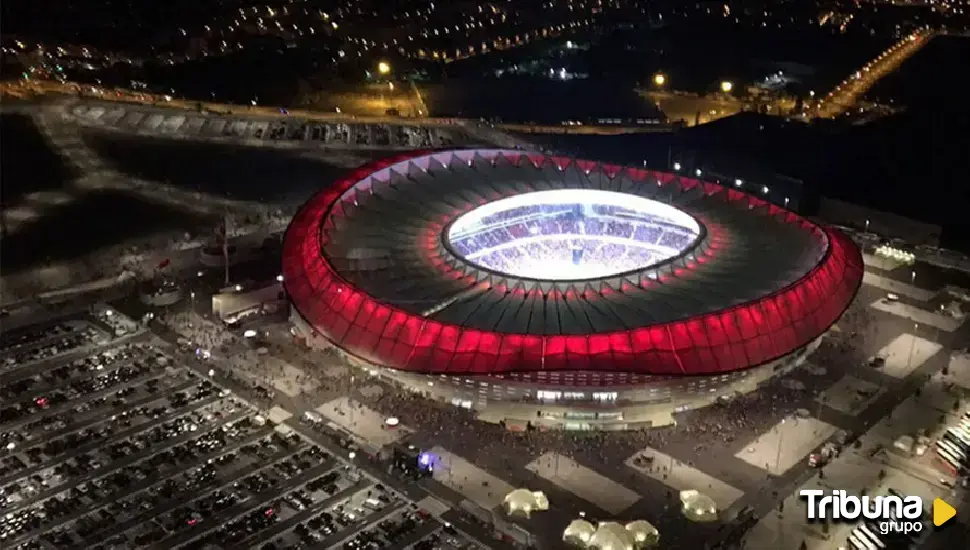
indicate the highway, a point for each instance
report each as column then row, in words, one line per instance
column 849, row 92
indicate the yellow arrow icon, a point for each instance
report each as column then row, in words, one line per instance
column 942, row 512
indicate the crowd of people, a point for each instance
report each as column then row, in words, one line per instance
column 198, row 331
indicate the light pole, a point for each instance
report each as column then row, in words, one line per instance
column 912, row 347
column 912, row 278
column 781, row 437
column 192, row 296
column 867, row 226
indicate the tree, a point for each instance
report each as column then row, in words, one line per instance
column 803, row 545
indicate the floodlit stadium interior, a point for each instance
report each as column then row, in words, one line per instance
column 550, row 291
column 571, row 234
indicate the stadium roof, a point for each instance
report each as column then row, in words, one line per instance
column 365, row 263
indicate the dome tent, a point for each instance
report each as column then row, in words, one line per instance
column 610, row 535
column 524, row 502
column 578, row 533
column 697, row 506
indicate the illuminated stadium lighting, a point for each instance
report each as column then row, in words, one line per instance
column 571, row 234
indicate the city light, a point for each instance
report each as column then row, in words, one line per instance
column 384, row 67
column 727, row 86
column 659, row 79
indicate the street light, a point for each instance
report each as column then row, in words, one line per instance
column 912, row 278
column 867, row 226
column 384, row 68
column 659, row 79
column 727, row 86
column 781, row 436
column 912, row 346
column 676, row 167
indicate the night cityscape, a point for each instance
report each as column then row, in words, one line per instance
column 485, row 275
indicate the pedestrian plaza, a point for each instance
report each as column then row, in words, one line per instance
column 786, row 444
column 579, row 480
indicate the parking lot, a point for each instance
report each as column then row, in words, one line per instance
column 110, row 439
column 21, row 349
column 446, row 538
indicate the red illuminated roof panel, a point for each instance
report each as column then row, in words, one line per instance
column 759, row 329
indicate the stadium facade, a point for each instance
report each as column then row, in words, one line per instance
column 559, row 291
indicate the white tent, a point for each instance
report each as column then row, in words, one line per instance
column 578, row 533
column 610, row 535
column 644, row 534
column 697, row 506
column 524, row 502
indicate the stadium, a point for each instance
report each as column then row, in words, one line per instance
column 555, row 291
